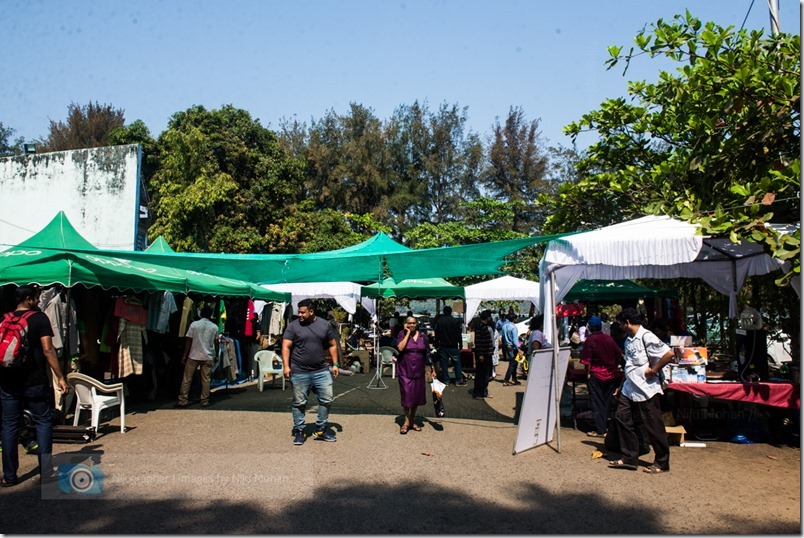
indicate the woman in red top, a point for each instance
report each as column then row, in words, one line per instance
column 601, row 356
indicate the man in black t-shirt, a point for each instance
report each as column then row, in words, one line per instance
column 28, row 387
column 448, row 344
column 304, row 344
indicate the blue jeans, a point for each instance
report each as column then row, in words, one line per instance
column 510, row 354
column 321, row 384
column 445, row 353
column 39, row 401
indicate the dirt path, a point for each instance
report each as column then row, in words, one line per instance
column 235, row 471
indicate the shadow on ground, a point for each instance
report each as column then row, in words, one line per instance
column 359, row 508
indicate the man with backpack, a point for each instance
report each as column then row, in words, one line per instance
column 26, row 352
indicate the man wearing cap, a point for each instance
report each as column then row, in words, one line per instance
column 600, row 354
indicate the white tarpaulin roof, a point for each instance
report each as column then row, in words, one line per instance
column 503, row 288
column 345, row 293
column 651, row 247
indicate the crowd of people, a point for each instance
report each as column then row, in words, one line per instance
column 623, row 361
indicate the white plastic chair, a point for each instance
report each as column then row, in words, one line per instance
column 388, row 355
column 94, row 396
column 265, row 364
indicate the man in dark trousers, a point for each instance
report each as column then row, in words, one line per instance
column 28, row 386
column 304, row 344
column 601, row 355
column 645, row 356
column 484, row 348
column 448, row 341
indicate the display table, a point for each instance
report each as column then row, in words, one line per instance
column 786, row 395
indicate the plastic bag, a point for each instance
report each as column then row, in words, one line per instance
column 438, row 403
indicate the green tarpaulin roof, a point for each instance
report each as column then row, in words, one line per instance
column 346, row 265
column 605, row 290
column 59, row 254
column 413, row 288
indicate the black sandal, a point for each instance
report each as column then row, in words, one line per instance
column 404, row 429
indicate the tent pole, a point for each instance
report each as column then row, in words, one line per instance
column 554, row 328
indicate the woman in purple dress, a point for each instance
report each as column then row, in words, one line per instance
column 414, row 354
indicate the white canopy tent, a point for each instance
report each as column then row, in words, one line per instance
column 650, row 247
column 506, row 287
column 347, row 294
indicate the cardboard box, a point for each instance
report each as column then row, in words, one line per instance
column 673, row 431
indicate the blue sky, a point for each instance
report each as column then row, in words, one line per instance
column 284, row 59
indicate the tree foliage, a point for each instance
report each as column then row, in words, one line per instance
column 435, row 163
column 518, row 168
column 87, row 126
column 223, row 182
column 7, row 145
column 716, row 142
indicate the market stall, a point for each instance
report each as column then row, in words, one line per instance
column 503, row 288
column 650, row 247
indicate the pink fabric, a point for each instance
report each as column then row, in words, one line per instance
column 785, row 395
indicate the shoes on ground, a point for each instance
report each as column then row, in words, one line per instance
column 204, row 404
column 322, row 435
column 461, row 384
column 180, row 405
column 6, row 483
column 31, row 448
column 299, row 438
column 593, row 433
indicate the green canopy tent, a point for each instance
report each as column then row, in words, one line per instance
column 366, row 262
column 413, row 288
column 216, row 285
column 612, row 290
column 59, row 254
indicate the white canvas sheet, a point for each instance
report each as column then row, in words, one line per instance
column 345, row 293
column 650, row 247
column 503, row 288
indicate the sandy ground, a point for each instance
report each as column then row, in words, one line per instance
column 232, row 469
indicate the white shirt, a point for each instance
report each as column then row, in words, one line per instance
column 582, row 332
column 636, row 388
column 203, row 333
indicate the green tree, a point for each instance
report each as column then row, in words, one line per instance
column 7, row 146
column 518, row 168
column 88, row 126
column 223, row 183
column 434, row 163
column 345, row 161
column 716, row 142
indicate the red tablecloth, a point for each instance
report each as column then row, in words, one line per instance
column 776, row 394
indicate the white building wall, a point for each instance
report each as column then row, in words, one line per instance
column 98, row 190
